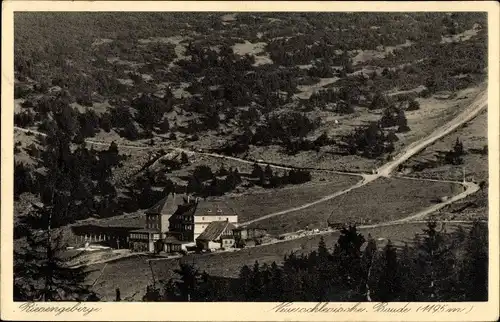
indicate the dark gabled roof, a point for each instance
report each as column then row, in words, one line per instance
column 186, row 209
column 133, row 222
column 166, row 206
column 214, row 230
column 145, row 230
column 171, row 240
column 210, row 207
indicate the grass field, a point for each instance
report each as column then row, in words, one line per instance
column 133, row 274
column 383, row 200
column 472, row 207
column 253, row 205
column 474, row 136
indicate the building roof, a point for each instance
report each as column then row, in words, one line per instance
column 129, row 221
column 210, row 208
column 214, row 230
column 166, row 206
column 186, row 209
column 240, row 228
column 171, row 240
column 146, row 230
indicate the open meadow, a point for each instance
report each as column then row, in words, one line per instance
column 383, row 200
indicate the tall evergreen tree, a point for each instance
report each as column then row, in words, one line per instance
column 367, row 268
column 188, row 282
column 474, row 268
column 388, row 278
column 436, row 265
column 347, row 255
column 40, row 271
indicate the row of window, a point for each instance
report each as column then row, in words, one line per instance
column 184, row 218
column 218, row 218
column 181, row 226
column 138, row 236
column 144, row 236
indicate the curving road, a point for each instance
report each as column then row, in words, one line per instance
column 385, row 170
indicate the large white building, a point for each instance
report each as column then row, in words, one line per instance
column 193, row 217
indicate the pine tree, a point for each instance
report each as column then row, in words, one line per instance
column 402, row 122
column 388, row 280
column 188, row 282
column 474, row 268
column 256, row 282
column 268, row 172
column 256, row 171
column 458, row 148
column 367, row 266
column 413, row 105
column 347, row 255
column 276, row 290
column 325, row 271
column 408, row 272
column 245, row 280
column 40, row 272
column 436, row 263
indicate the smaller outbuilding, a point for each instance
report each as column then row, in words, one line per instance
column 217, row 235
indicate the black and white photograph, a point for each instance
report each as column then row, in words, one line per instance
column 251, row 156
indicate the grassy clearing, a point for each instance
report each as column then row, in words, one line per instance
column 474, row 136
column 383, row 200
column 133, row 274
column 253, row 205
column 472, row 207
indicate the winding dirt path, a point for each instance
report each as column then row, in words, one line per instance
column 385, row 170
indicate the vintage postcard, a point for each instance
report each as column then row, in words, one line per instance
column 250, row 161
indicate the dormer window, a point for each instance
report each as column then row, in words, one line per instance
column 219, row 210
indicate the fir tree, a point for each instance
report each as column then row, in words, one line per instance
column 188, row 282
column 402, row 122
column 268, row 172
column 40, row 272
column 276, row 291
column 413, row 105
column 245, row 279
column 325, row 271
column 435, row 264
column 474, row 268
column 256, row 171
column 388, row 280
column 347, row 255
column 367, row 267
